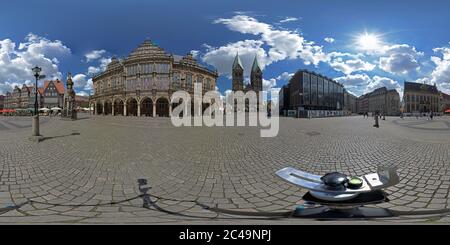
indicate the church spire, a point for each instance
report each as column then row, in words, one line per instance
column 237, row 62
column 256, row 76
column 255, row 66
column 237, row 74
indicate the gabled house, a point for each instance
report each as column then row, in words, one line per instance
column 53, row 93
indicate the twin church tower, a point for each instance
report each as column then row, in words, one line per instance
column 238, row 76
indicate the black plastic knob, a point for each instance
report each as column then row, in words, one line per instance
column 334, row 179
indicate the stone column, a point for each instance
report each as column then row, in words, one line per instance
column 103, row 111
column 125, row 108
column 170, row 109
column 154, row 109
column 112, row 108
column 138, row 109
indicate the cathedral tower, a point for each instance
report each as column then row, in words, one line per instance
column 237, row 74
column 256, row 76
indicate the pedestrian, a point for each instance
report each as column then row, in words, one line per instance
column 431, row 115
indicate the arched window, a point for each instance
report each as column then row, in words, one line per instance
column 176, row 80
column 188, row 81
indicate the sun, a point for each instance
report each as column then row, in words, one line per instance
column 368, row 41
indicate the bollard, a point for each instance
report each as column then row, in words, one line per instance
column 35, row 135
column 376, row 125
column 35, row 126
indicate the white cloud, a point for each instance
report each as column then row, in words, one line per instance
column 285, row 76
column 359, row 84
column 16, row 62
column 82, row 93
column 94, row 55
column 441, row 74
column 93, row 70
column 329, row 40
column 399, row 59
column 399, row 64
column 288, row 19
column 195, row 53
column 103, row 63
column 269, row 84
column 89, row 85
column 349, row 66
column 79, row 80
column 271, row 45
column 378, row 82
column 222, row 57
column 354, row 80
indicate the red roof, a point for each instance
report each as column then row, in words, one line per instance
column 58, row 84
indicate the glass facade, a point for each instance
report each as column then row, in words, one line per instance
column 313, row 90
column 326, row 94
column 320, row 99
column 306, row 89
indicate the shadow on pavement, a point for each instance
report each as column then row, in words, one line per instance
column 60, row 136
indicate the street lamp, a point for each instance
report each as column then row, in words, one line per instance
column 35, row 122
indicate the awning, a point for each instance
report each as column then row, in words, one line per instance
column 56, row 109
column 7, row 110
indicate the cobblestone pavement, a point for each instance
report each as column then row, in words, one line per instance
column 99, row 159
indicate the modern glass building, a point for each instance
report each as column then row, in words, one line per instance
column 312, row 94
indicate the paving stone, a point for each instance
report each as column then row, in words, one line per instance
column 232, row 167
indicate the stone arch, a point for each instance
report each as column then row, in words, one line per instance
column 162, row 107
column 99, row 107
column 108, row 107
column 132, row 107
column 146, row 107
column 118, row 106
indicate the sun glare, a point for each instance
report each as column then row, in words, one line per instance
column 368, row 41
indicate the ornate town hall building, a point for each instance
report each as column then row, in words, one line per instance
column 142, row 84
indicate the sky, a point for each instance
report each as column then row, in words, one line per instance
column 362, row 44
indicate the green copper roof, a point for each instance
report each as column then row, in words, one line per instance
column 255, row 66
column 237, row 62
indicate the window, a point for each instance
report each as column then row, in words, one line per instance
column 162, row 77
column 146, row 68
column 176, row 80
column 132, row 70
column 306, row 89
column 146, row 83
column 208, row 84
column 200, row 80
column 189, row 80
column 333, row 95
column 131, row 85
column 313, row 90
column 326, row 100
column 320, row 91
column 162, row 68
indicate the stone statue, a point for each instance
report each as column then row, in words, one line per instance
column 69, row 110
